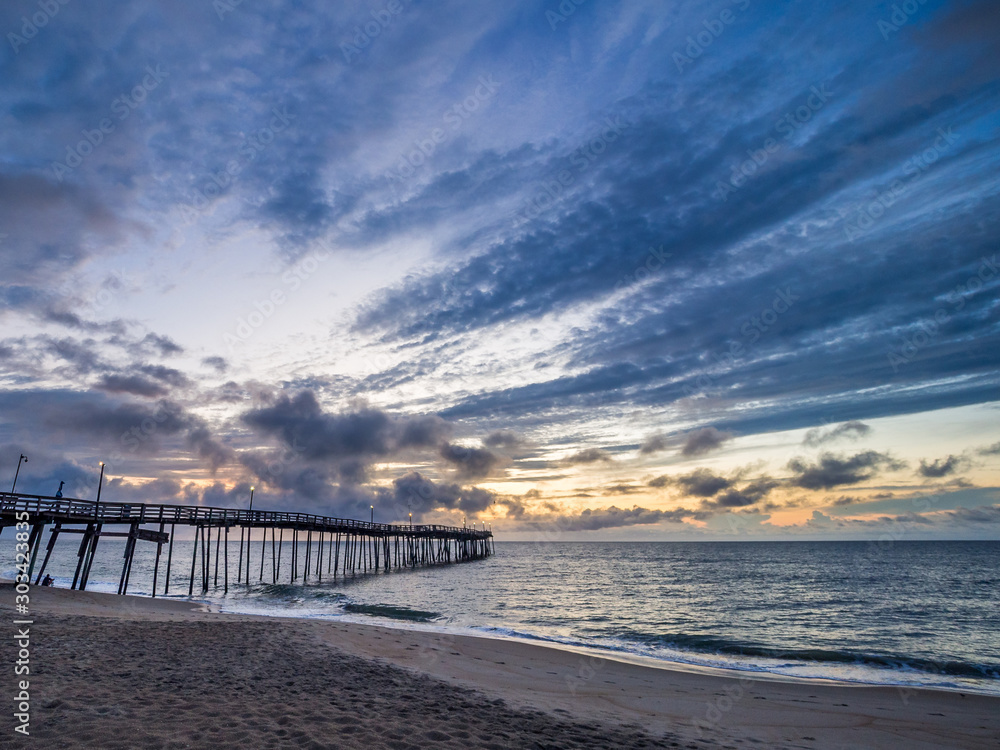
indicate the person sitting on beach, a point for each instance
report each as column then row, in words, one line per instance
column 47, row 581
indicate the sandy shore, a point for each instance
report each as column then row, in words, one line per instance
column 126, row 672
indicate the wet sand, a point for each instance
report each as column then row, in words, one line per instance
column 128, row 672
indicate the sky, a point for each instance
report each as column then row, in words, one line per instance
column 569, row 270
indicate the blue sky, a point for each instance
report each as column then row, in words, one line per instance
column 641, row 270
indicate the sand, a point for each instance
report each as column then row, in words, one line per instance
column 127, row 672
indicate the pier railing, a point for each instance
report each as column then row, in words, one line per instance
column 351, row 546
column 92, row 511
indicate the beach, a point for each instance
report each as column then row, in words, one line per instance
column 133, row 672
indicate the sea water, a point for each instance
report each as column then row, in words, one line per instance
column 889, row 612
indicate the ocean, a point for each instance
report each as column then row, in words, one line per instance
column 908, row 613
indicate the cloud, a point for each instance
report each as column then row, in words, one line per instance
column 219, row 364
column 505, row 440
column 990, row 450
column 941, row 467
column 606, row 518
column 833, row 471
column 700, row 482
column 587, row 456
column 363, row 431
column 654, row 444
column 422, row 495
column 134, row 384
column 852, row 430
column 739, row 498
column 704, row 441
column 470, row 462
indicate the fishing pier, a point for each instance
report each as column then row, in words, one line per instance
column 341, row 546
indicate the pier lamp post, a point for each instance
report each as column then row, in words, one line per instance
column 411, row 522
column 23, row 458
column 100, row 482
column 373, row 513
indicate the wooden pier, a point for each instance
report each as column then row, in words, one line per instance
column 341, row 546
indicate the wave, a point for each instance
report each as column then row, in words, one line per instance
column 392, row 612
column 708, row 644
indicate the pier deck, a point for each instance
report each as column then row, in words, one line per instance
column 343, row 546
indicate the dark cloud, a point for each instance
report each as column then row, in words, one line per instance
column 941, row 467
column 606, row 518
column 138, row 385
column 214, row 453
column 470, row 462
column 505, row 440
column 704, row 441
column 654, row 444
column 833, row 471
column 846, row 500
column 587, row 456
column 752, row 493
column 702, row 483
column 219, row 364
column 301, row 424
column 852, row 430
column 990, row 450
column 422, row 495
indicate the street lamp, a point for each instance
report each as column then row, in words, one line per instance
column 22, row 458
column 411, row 522
column 373, row 513
column 251, row 499
column 100, row 483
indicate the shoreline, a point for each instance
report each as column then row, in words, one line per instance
column 705, row 708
